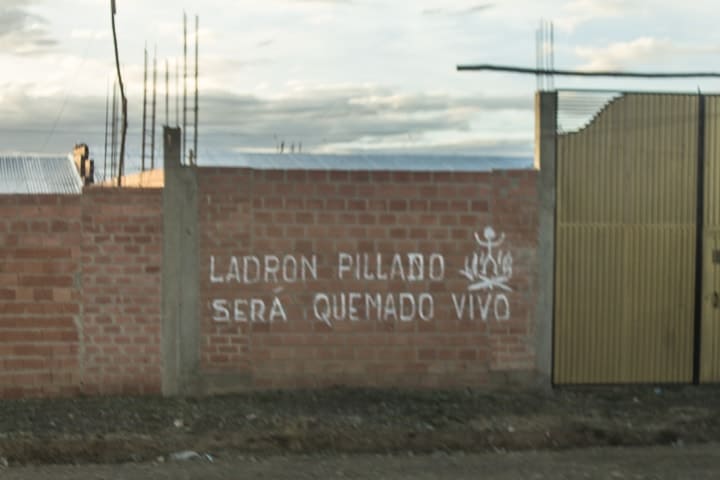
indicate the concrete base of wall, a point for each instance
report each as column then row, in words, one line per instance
column 220, row 384
column 232, row 383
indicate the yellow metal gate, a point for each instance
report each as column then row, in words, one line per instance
column 626, row 241
column 710, row 328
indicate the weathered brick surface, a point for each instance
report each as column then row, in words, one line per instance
column 317, row 215
column 40, row 244
column 121, row 277
column 80, row 282
column 80, row 293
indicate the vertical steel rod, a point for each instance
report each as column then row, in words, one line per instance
column 184, row 130
column 537, row 58
column 167, row 94
column 195, row 135
column 552, row 54
column 107, row 122
column 152, row 128
column 113, row 138
column 144, row 119
column 177, row 92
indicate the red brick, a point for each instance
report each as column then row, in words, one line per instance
column 8, row 293
column 104, row 249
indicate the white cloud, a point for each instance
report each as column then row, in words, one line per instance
column 623, row 54
column 272, row 52
column 319, row 2
column 638, row 52
column 23, row 32
column 326, row 119
column 57, row 74
column 578, row 12
column 468, row 10
column 89, row 34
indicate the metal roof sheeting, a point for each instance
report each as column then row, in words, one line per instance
column 424, row 163
column 38, row 175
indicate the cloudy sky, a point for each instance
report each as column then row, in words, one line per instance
column 337, row 75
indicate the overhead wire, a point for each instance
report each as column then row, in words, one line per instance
column 67, row 95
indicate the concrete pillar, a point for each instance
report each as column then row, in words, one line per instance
column 545, row 160
column 180, row 271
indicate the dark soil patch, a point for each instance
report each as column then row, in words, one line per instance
column 115, row 429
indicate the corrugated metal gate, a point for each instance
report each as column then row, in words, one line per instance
column 710, row 327
column 629, row 228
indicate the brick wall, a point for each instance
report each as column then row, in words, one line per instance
column 308, row 278
column 279, row 252
column 121, row 279
column 40, row 244
column 80, row 293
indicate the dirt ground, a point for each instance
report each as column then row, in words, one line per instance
column 698, row 462
column 441, row 424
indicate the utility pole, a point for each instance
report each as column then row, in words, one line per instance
column 121, row 165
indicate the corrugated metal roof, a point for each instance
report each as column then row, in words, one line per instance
column 306, row 161
column 33, row 174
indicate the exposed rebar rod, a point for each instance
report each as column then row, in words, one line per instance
column 107, row 125
column 167, row 94
column 546, row 52
column 552, row 54
column 537, row 59
column 113, row 138
column 177, row 92
column 152, row 129
column 184, row 130
column 195, row 133
column 543, row 55
column 144, row 120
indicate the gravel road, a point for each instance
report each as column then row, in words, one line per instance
column 337, row 421
column 663, row 463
